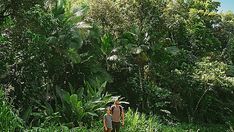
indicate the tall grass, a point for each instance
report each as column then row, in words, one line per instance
column 138, row 122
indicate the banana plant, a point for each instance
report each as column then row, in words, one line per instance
column 84, row 104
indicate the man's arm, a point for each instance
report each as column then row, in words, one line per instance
column 122, row 116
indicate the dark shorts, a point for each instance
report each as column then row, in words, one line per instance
column 116, row 126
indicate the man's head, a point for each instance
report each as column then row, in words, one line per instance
column 117, row 102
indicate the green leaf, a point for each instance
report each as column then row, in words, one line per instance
column 106, row 43
column 173, row 50
column 74, row 56
column 27, row 113
column 92, row 114
column 73, row 99
column 49, row 109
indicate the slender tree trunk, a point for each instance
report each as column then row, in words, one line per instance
column 141, row 87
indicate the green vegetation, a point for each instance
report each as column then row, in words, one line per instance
column 62, row 61
column 9, row 120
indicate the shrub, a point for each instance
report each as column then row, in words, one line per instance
column 9, row 120
column 136, row 122
column 83, row 106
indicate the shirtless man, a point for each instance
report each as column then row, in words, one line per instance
column 117, row 115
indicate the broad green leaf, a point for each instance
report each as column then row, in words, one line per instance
column 73, row 99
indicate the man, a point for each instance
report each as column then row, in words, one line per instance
column 117, row 113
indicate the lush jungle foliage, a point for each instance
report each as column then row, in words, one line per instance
column 61, row 61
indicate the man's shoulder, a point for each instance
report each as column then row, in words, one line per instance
column 113, row 106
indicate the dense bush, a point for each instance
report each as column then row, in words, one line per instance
column 45, row 52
